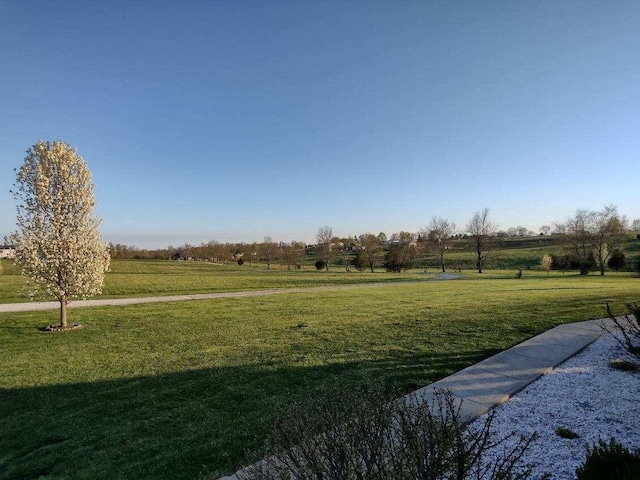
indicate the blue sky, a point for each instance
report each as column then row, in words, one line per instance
column 237, row 120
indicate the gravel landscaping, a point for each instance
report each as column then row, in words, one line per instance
column 585, row 396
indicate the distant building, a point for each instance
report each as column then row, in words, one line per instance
column 7, row 251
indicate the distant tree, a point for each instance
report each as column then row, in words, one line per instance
column 360, row 261
column 560, row 262
column 481, row 230
column 546, row 263
column 398, row 258
column 400, row 253
column 344, row 250
column 608, row 230
column 440, row 233
column 268, row 249
column 545, row 229
column 323, row 247
column 319, row 264
column 579, row 236
column 382, row 237
column 292, row 254
column 58, row 244
column 522, row 231
column 559, row 228
column 371, row 249
column 617, row 260
column 635, row 225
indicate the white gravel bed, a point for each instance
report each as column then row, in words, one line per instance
column 584, row 395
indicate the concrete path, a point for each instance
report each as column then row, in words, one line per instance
column 494, row 380
column 36, row 306
column 482, row 386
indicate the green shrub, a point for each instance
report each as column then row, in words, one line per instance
column 610, row 461
column 617, row 260
column 566, row 433
column 320, row 264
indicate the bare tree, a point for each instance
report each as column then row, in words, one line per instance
column 292, row 254
column 559, row 228
column 545, row 229
column 635, row 225
column 344, row 249
column 580, row 238
column 371, row 247
column 439, row 233
column 268, row 248
column 58, row 244
column 323, row 247
column 608, row 229
column 481, row 229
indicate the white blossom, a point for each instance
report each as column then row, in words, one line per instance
column 58, row 244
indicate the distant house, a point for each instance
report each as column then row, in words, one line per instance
column 7, row 251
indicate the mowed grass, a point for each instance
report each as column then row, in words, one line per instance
column 183, row 390
column 136, row 278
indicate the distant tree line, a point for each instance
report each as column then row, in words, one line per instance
column 591, row 240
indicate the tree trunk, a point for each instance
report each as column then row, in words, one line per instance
column 63, row 312
column 371, row 266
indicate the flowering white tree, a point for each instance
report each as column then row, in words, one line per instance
column 58, row 244
column 546, row 263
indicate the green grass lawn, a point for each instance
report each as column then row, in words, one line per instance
column 186, row 389
column 134, row 278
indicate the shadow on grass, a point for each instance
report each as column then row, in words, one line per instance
column 178, row 425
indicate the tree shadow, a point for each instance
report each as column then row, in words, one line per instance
column 183, row 424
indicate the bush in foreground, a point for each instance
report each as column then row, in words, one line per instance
column 610, row 461
column 626, row 329
column 363, row 435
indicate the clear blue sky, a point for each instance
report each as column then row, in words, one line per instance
column 232, row 120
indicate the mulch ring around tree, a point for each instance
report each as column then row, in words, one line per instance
column 58, row 328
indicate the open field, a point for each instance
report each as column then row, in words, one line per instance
column 180, row 390
column 134, row 278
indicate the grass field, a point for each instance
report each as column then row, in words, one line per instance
column 134, row 278
column 184, row 390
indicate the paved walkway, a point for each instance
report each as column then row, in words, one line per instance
column 35, row 306
column 493, row 381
